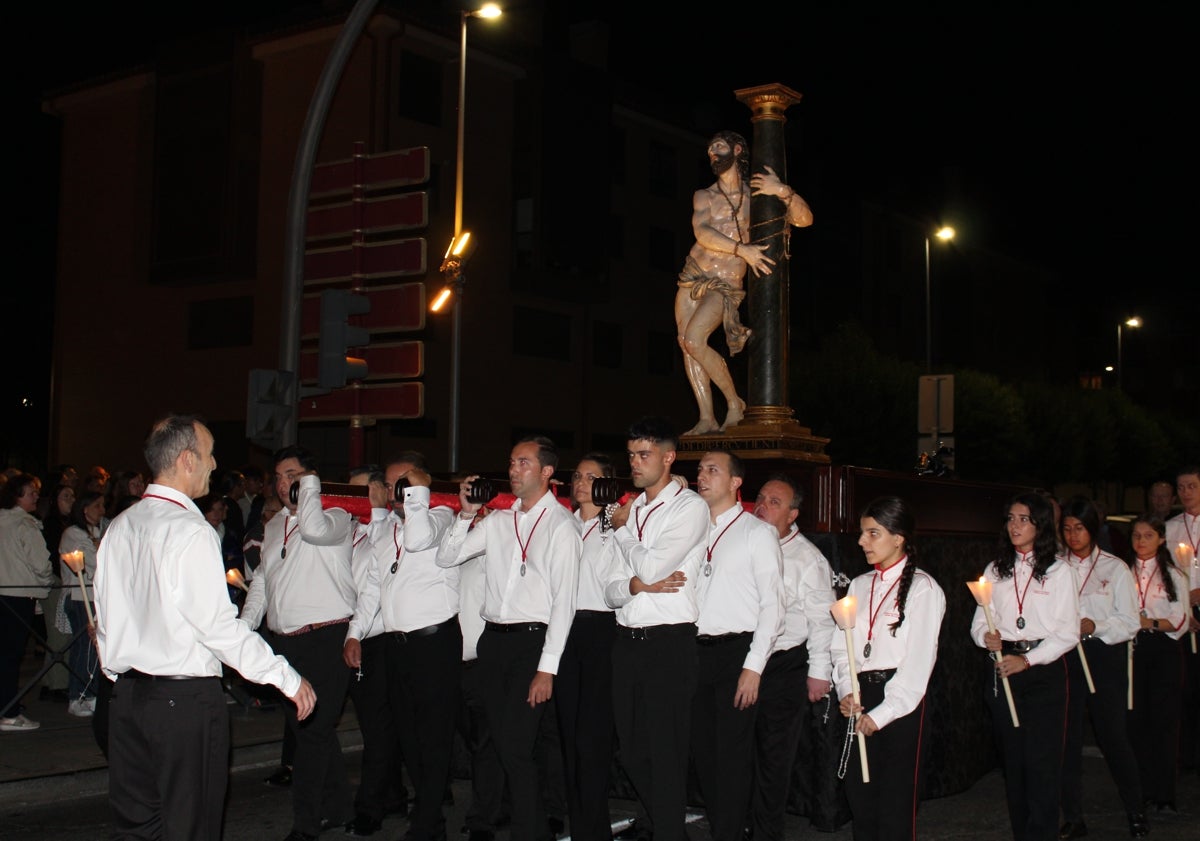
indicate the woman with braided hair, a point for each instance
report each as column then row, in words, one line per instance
column 1157, row 661
column 1035, row 605
column 895, row 638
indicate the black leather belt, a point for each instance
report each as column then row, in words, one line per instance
column 515, row 627
column 134, row 674
column 795, row 649
column 594, row 614
column 717, row 639
column 876, row 676
column 654, row 632
column 1018, row 646
column 427, row 631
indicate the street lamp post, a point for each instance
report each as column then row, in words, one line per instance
column 945, row 234
column 453, row 268
column 1132, row 323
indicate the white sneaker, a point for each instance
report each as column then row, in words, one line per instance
column 17, row 724
column 82, row 707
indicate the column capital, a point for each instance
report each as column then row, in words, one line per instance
column 768, row 102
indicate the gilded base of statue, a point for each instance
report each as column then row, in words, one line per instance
column 766, row 432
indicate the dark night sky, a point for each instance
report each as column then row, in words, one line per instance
column 1052, row 135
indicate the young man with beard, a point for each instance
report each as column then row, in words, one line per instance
column 659, row 541
column 717, row 264
column 799, row 670
column 305, row 587
column 531, row 563
column 740, row 597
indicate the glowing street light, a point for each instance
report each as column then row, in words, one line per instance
column 1132, row 323
column 945, row 234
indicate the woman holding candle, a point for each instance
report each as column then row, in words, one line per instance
column 895, row 636
column 1108, row 607
column 83, row 535
column 1157, row 661
column 1035, row 604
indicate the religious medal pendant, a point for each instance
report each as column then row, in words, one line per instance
column 707, row 570
column 1142, row 613
column 1021, row 623
column 395, row 566
column 358, row 674
column 867, row 650
column 283, row 553
column 522, row 569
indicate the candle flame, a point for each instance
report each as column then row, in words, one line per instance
column 73, row 560
column 234, row 577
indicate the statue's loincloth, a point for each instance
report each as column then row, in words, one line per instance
column 693, row 279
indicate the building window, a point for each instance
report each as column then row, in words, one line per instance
column 541, row 333
column 664, row 180
column 662, row 353
column 419, row 92
column 608, row 339
column 660, row 250
column 223, row 322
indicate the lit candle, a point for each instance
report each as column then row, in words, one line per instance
column 234, row 577
column 982, row 591
column 844, row 611
column 74, row 562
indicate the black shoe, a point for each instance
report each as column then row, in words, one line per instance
column 297, row 835
column 556, row 826
column 480, row 835
column 362, row 825
column 1138, row 825
column 281, row 778
column 1072, row 829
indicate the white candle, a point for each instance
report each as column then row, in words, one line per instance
column 844, row 614
column 982, row 591
column 74, row 562
column 234, row 577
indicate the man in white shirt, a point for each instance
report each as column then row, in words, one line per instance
column 305, row 586
column 417, row 602
column 164, row 626
column 659, row 539
column 799, row 670
column 740, row 596
column 380, row 788
column 1184, row 530
column 531, row 563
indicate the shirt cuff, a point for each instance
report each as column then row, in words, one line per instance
column 548, row 663
column 417, row 495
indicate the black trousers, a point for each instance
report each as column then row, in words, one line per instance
column 507, row 664
column 1107, row 710
column 583, row 695
column 782, row 708
column 654, row 680
column 168, row 759
column 379, row 783
column 723, row 736
column 885, row 809
column 16, row 616
column 487, row 774
column 1032, row 754
column 1189, row 723
column 423, row 679
column 1154, row 722
column 320, row 789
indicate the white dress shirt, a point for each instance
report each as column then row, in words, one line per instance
column 744, row 592
column 536, row 583
column 1050, row 608
column 162, row 604
column 1107, row 595
column 470, row 605
column 659, row 538
column 596, row 564
column 1152, row 596
column 305, row 576
column 912, row 652
column 367, row 621
column 807, row 596
column 1184, row 529
column 404, row 581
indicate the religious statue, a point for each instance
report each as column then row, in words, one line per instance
column 711, row 283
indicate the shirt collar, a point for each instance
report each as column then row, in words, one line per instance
column 729, row 516
column 546, row 501
column 171, row 494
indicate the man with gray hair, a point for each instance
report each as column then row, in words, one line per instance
column 164, row 626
